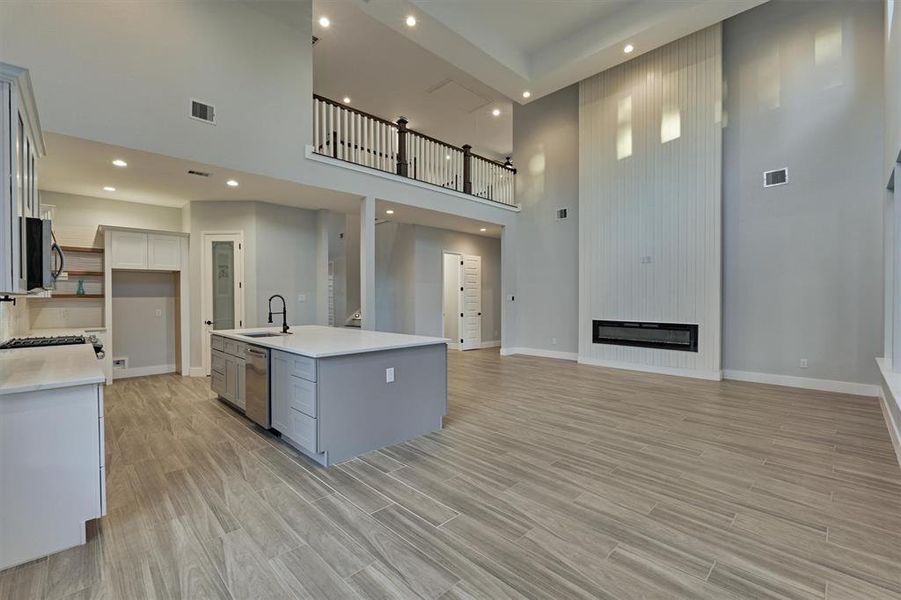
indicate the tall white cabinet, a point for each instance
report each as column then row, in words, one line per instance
column 132, row 249
column 21, row 144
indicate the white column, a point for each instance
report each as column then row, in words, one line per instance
column 367, row 262
column 322, row 218
column 895, row 260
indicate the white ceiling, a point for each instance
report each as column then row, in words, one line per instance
column 82, row 167
column 77, row 166
column 420, row 216
column 390, row 75
column 544, row 45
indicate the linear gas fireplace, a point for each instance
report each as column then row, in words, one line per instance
column 666, row 336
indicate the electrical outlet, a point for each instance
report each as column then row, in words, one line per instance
column 803, row 363
column 646, row 260
column 301, row 297
column 158, row 312
column 389, row 375
column 553, row 341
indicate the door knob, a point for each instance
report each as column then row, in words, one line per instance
column 207, row 322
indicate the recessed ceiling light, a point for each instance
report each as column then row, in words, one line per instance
column 231, row 183
column 629, row 48
column 119, row 163
column 527, row 94
column 109, row 188
column 346, row 99
column 389, row 212
column 447, row 156
column 411, row 21
column 324, row 22
column 483, row 229
column 496, row 112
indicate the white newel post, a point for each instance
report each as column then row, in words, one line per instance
column 367, row 262
column 896, row 283
column 322, row 217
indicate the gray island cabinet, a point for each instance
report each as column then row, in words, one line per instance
column 337, row 393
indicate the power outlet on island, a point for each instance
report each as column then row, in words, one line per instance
column 803, row 363
column 389, row 375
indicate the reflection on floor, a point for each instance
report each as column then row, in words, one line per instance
column 550, row 480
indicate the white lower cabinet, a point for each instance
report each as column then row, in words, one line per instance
column 52, row 475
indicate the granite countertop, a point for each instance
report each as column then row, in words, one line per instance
column 316, row 341
column 34, row 369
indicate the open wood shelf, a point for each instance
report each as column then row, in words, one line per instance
column 81, row 249
column 84, row 273
column 69, row 296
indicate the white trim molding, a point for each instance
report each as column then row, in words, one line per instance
column 807, row 383
column 658, row 370
column 143, row 371
column 889, row 395
column 540, row 353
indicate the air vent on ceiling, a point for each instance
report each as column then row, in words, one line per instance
column 562, row 213
column 203, row 112
column 777, row 177
column 198, row 173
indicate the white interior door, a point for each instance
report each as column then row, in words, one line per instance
column 222, row 287
column 471, row 302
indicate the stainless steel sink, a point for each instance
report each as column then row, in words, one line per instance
column 264, row 334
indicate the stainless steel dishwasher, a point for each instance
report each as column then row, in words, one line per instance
column 256, row 385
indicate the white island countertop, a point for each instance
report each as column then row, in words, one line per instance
column 34, row 369
column 317, row 341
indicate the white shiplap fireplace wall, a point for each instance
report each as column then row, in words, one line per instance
column 650, row 203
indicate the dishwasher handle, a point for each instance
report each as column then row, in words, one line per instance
column 256, row 352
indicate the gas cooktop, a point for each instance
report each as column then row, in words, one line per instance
column 38, row 342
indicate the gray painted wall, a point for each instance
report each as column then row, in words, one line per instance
column 892, row 74
column 410, row 284
column 279, row 257
column 75, row 218
column 123, row 73
column 803, row 262
column 146, row 339
column 546, row 251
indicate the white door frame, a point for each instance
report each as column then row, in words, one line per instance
column 455, row 343
column 206, row 310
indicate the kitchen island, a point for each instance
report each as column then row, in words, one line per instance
column 335, row 393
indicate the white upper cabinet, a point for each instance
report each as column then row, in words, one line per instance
column 163, row 252
column 129, row 250
column 137, row 250
column 21, row 144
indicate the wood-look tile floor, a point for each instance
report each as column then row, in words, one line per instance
column 550, row 480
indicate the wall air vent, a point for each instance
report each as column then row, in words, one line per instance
column 664, row 336
column 198, row 173
column 777, row 177
column 203, row 112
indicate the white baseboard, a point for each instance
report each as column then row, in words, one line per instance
column 143, row 371
column 196, row 372
column 539, row 352
column 674, row 371
column 889, row 393
column 807, row 383
column 490, row 344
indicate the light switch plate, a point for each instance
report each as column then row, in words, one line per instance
column 389, row 375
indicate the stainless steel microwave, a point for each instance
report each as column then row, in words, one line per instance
column 41, row 267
